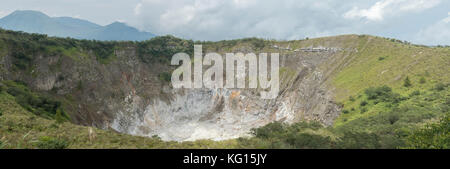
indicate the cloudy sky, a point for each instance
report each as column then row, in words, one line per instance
column 419, row 21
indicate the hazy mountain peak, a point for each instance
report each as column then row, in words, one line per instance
column 118, row 23
column 28, row 12
column 38, row 22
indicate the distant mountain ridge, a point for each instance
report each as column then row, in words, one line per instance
column 38, row 22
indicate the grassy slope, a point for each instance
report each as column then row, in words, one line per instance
column 384, row 62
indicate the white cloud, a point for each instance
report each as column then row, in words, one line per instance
column 244, row 3
column 374, row 13
column 137, row 9
column 225, row 19
column 4, row 13
column 384, row 8
column 277, row 19
column 447, row 20
column 178, row 17
column 435, row 34
column 121, row 20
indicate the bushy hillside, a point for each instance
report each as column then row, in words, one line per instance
column 385, row 119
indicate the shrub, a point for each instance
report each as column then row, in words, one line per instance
column 358, row 140
column 304, row 125
column 407, row 82
column 257, row 43
column 340, row 104
column 440, row 86
column 415, row 93
column 422, row 80
column 80, row 85
column 382, row 94
column 308, row 141
column 363, row 103
column 345, row 111
column 165, row 76
column 161, row 48
column 445, row 107
column 351, row 98
column 102, row 50
column 270, row 130
column 40, row 105
column 392, row 118
column 375, row 93
column 59, row 117
column 279, row 135
column 363, row 110
column 433, row 136
column 51, row 143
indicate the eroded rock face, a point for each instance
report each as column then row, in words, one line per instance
column 191, row 114
column 127, row 95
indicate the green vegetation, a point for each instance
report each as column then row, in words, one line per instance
column 165, row 76
column 391, row 117
column 351, row 98
column 161, row 49
column 393, row 95
column 382, row 94
column 345, row 111
column 434, row 135
column 393, row 121
column 408, row 88
column 51, row 143
column 279, row 135
column 440, row 86
column 407, row 82
column 422, row 80
column 38, row 104
column 104, row 51
column 256, row 44
column 363, row 68
column 23, row 47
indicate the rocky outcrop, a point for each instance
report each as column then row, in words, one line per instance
column 192, row 114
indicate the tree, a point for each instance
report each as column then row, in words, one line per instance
column 59, row 116
column 433, row 136
column 407, row 82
